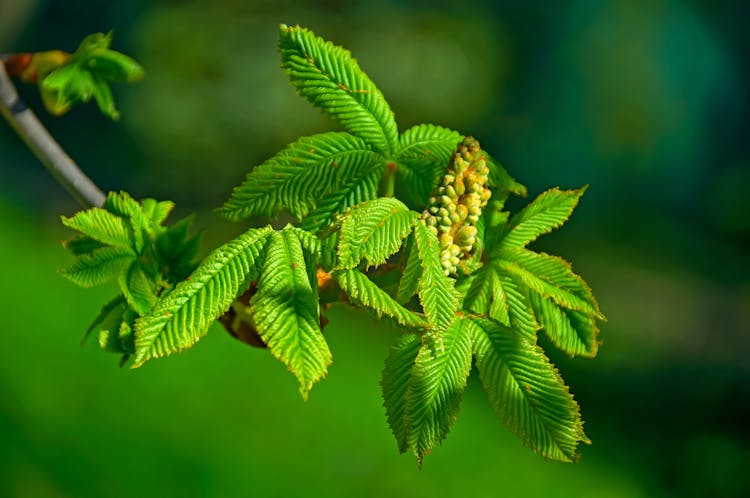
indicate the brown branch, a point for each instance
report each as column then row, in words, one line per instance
column 45, row 148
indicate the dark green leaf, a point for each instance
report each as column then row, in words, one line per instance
column 527, row 392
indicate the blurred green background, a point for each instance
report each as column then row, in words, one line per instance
column 646, row 101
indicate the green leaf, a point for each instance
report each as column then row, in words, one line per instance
column 298, row 176
column 137, row 288
column 104, row 99
column 547, row 212
column 483, row 290
column 98, row 266
column 436, row 290
column 493, row 294
column 87, row 74
column 156, row 212
column 359, row 188
column 423, row 402
column 96, row 56
column 124, row 206
column 554, row 270
column 428, row 141
column 183, row 316
column 103, row 226
column 562, row 302
column 373, row 231
column 527, row 392
column 408, row 285
column 363, row 291
column 501, row 181
column 285, row 311
column 423, row 156
column 330, row 78
column 537, row 284
column 572, row 331
column 397, row 375
column 520, row 312
column 176, row 249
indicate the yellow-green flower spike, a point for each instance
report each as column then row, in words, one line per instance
column 456, row 204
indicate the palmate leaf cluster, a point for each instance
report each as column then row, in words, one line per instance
column 126, row 241
column 359, row 198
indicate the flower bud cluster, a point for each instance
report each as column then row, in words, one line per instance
column 456, row 204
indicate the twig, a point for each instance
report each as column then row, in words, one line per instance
column 45, row 148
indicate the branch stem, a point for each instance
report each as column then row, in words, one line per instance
column 388, row 187
column 45, row 148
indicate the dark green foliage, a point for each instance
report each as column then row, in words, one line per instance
column 369, row 201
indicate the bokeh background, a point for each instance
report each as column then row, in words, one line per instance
column 646, row 101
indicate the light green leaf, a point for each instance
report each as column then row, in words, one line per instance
column 363, row 291
column 156, row 212
column 495, row 295
column 437, row 385
column 297, row 177
column 572, row 331
column 397, row 376
column 547, row 212
column 104, row 99
column 285, row 311
column 483, row 290
column 423, row 402
column 95, row 55
column 537, row 284
column 373, row 231
column 561, row 300
column 124, row 206
column 330, row 78
column 103, row 226
column 183, row 315
column 429, row 141
column 436, row 290
column 520, row 311
column 527, row 392
column 408, row 285
column 359, row 188
column 501, row 182
column 87, row 74
column 137, row 288
column 553, row 270
column 98, row 266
